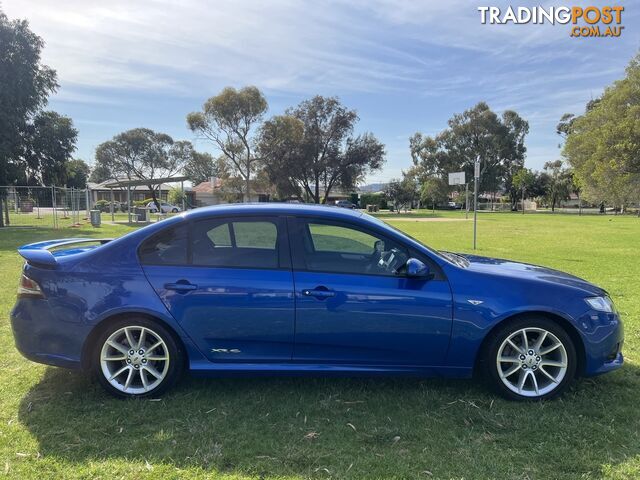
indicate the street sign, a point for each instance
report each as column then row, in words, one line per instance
column 456, row 178
column 477, row 169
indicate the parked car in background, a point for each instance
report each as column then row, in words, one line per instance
column 165, row 207
column 301, row 289
column 345, row 204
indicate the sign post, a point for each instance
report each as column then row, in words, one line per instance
column 476, row 179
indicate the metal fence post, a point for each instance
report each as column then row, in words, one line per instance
column 53, row 206
column 87, row 202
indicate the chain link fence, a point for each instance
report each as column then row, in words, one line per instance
column 54, row 207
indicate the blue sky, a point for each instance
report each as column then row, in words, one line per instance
column 405, row 66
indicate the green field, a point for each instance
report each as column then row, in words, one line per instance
column 55, row 423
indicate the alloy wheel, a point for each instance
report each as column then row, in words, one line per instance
column 532, row 362
column 134, row 360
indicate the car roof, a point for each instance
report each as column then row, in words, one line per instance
column 274, row 209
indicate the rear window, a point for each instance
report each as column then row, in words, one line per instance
column 235, row 243
column 169, row 247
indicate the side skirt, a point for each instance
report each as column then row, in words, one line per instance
column 297, row 369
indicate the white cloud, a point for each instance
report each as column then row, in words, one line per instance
column 430, row 51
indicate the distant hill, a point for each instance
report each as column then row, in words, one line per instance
column 373, row 187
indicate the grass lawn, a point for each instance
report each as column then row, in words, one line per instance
column 55, row 423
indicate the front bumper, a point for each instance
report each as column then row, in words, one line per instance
column 603, row 335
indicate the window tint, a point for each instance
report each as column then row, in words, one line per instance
column 220, row 236
column 255, row 234
column 343, row 249
column 236, row 243
column 331, row 238
column 169, row 247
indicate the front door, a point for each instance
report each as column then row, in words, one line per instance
column 353, row 308
column 228, row 282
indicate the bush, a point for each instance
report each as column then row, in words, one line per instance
column 102, row 205
column 143, row 203
column 379, row 199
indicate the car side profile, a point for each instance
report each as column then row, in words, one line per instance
column 164, row 207
column 300, row 289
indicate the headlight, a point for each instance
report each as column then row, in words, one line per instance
column 601, row 304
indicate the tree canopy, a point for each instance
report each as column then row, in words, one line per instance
column 25, row 84
column 311, row 149
column 143, row 154
column 498, row 141
column 603, row 145
column 229, row 120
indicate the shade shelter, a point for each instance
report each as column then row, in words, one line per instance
column 137, row 182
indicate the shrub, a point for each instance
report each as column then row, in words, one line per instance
column 379, row 199
column 102, row 205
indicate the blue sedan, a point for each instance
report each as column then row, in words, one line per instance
column 299, row 289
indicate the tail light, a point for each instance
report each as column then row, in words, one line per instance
column 29, row 288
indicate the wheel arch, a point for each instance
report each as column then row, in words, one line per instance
column 92, row 338
column 566, row 324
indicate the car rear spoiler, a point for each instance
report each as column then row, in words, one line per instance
column 39, row 254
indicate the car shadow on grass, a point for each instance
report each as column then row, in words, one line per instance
column 321, row 427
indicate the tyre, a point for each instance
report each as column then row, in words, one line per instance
column 153, row 210
column 530, row 358
column 136, row 357
column 174, row 210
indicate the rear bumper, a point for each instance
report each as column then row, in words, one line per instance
column 42, row 337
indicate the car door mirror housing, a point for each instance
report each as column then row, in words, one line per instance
column 415, row 268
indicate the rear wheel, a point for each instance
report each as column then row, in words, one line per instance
column 174, row 210
column 530, row 358
column 137, row 358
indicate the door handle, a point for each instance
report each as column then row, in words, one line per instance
column 319, row 292
column 180, row 286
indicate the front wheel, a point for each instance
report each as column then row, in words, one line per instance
column 174, row 210
column 137, row 358
column 531, row 358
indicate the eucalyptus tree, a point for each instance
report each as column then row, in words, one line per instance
column 142, row 154
column 311, row 149
column 229, row 120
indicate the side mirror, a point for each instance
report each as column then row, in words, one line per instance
column 417, row 269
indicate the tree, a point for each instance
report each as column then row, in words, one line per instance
column 77, row 173
column 100, row 172
column 49, row 142
column 201, row 167
column 559, row 186
column 434, row 190
column 25, row 84
column 229, row 120
column 176, row 196
column 498, row 141
column 523, row 182
column 143, row 154
column 603, row 146
column 311, row 149
column 402, row 192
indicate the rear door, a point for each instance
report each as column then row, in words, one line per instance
column 228, row 282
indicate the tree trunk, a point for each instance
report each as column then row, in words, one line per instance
column 579, row 205
column 247, row 197
column 1, row 219
column 154, row 198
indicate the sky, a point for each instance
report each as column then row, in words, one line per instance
column 403, row 65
